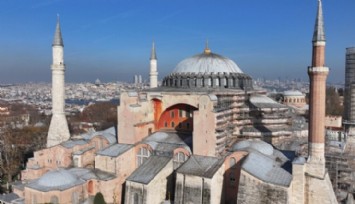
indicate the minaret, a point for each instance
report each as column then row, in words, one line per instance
column 153, row 75
column 58, row 130
column 318, row 76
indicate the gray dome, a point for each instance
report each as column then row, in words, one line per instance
column 256, row 145
column 207, row 63
column 57, row 178
column 292, row 93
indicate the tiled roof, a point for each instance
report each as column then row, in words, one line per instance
column 147, row 171
column 202, row 166
column 115, row 150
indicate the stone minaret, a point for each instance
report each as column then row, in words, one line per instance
column 58, row 129
column 153, row 74
column 317, row 75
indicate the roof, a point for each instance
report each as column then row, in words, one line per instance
column 147, row 172
column 87, row 174
column 62, row 179
column 164, row 143
column 202, row 166
column 115, row 150
column 319, row 34
column 261, row 101
column 207, row 63
column 8, row 197
column 71, row 143
column 58, row 179
column 264, row 162
column 109, row 134
column 82, row 151
column 58, row 40
column 292, row 93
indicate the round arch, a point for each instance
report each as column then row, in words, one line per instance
column 178, row 117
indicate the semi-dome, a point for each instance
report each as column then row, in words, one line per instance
column 207, row 62
column 58, row 178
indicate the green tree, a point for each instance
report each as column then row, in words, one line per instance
column 99, row 199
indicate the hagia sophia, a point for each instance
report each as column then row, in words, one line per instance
column 205, row 135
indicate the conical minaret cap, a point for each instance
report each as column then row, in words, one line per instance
column 58, row 40
column 319, row 34
column 153, row 55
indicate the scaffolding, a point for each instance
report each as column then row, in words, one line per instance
column 341, row 169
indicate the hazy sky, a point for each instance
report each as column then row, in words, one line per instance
column 111, row 40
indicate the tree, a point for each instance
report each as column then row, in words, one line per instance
column 333, row 104
column 99, row 199
column 15, row 144
column 10, row 159
column 102, row 114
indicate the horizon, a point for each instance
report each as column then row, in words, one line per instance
column 113, row 39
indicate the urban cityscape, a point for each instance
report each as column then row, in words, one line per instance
column 205, row 130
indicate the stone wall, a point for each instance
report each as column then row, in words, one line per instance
column 153, row 192
column 194, row 189
column 319, row 190
column 253, row 190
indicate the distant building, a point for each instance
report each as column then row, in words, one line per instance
column 294, row 98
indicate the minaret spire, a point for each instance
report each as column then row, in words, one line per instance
column 153, row 74
column 319, row 35
column 153, row 54
column 58, row 40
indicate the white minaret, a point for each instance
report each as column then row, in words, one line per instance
column 153, row 75
column 58, row 130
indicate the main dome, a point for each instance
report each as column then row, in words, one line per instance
column 208, row 71
column 207, row 62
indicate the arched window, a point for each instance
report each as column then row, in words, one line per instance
column 91, row 187
column 76, row 162
column 142, row 156
column 172, row 114
column 232, row 163
column 172, row 124
column 181, row 111
column 74, row 198
column 179, row 158
column 136, row 198
column 34, row 199
column 54, row 200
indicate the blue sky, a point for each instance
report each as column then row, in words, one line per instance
column 111, row 40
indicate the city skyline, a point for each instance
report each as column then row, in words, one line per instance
column 112, row 40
